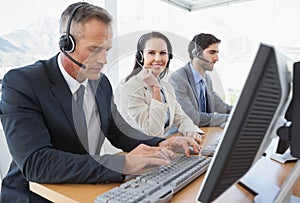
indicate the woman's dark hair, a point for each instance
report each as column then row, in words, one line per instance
column 139, row 62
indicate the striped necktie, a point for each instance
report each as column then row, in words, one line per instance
column 167, row 116
column 202, row 97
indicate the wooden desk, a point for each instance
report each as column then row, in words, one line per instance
column 86, row 193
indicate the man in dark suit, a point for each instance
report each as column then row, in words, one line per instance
column 193, row 87
column 39, row 120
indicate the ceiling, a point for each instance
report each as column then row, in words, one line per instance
column 192, row 5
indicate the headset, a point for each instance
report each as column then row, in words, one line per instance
column 67, row 42
column 139, row 58
column 139, row 54
column 197, row 53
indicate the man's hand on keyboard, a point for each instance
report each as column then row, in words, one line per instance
column 176, row 142
column 144, row 155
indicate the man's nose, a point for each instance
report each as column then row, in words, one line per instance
column 102, row 57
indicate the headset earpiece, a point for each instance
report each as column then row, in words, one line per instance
column 197, row 50
column 170, row 56
column 139, row 56
column 67, row 43
column 195, row 53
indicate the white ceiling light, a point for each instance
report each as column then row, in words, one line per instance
column 191, row 5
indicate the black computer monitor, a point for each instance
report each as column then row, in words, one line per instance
column 252, row 123
column 295, row 138
column 288, row 133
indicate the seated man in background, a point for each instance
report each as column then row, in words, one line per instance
column 193, row 87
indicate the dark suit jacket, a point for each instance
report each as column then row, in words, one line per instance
column 183, row 83
column 36, row 114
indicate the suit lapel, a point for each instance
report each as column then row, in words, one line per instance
column 60, row 89
column 170, row 99
column 64, row 97
column 100, row 93
column 191, row 80
column 100, row 90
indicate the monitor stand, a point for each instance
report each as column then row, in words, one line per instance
column 286, row 157
column 281, row 158
column 262, row 181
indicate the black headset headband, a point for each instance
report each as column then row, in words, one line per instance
column 70, row 20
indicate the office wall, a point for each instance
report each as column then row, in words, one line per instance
column 241, row 27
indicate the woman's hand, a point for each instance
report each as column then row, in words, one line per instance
column 149, row 78
column 152, row 81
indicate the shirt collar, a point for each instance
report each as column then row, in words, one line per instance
column 196, row 74
column 72, row 83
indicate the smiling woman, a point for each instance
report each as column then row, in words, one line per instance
column 145, row 100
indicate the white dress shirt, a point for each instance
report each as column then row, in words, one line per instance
column 89, row 106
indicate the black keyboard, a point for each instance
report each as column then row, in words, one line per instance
column 160, row 184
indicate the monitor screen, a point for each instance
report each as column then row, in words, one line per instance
column 252, row 123
column 295, row 138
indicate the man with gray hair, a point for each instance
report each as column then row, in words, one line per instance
column 57, row 112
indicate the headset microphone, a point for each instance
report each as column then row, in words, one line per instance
column 67, row 42
column 81, row 65
column 202, row 58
